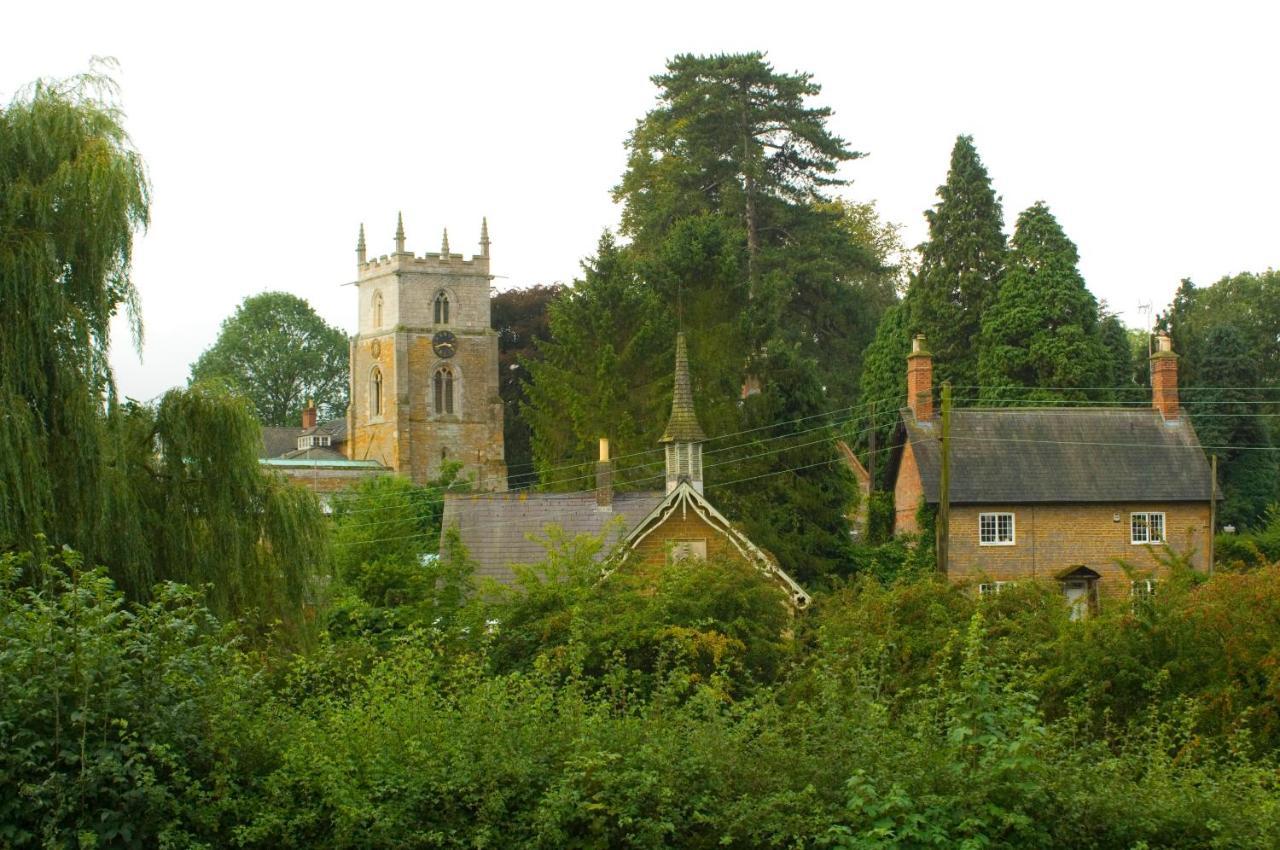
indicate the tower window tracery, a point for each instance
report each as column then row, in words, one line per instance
column 375, row 392
column 442, row 385
column 377, row 309
column 442, row 308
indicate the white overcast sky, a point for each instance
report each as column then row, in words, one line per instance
column 272, row 130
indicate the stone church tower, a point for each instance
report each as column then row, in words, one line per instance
column 424, row 365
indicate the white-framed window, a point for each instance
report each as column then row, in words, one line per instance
column 995, row 529
column 1142, row 590
column 688, row 549
column 1146, row 527
column 991, row 588
column 312, row 441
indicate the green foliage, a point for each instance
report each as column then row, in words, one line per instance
column 191, row 504
column 278, row 352
column 72, row 192
column 521, row 318
column 604, row 372
column 386, row 545
column 961, row 266
column 1040, row 335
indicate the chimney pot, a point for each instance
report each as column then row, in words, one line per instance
column 1164, row 378
column 920, row 380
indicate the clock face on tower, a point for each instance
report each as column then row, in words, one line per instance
column 444, row 344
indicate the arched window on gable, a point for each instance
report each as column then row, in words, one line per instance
column 377, row 309
column 442, row 386
column 442, row 308
column 375, row 392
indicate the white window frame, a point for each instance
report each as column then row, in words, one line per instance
column 1146, row 528
column 993, row 588
column 1143, row 589
column 689, row 550
column 995, row 517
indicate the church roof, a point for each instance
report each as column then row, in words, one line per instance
column 500, row 529
column 1015, row 455
column 683, row 425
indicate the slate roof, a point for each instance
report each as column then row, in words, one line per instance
column 495, row 527
column 683, row 425
column 316, row 453
column 1014, row 455
column 278, row 441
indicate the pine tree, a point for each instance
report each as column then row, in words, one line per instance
column 1225, row 421
column 961, row 266
column 1040, row 336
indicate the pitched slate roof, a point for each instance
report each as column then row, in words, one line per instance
column 278, row 441
column 1012, row 455
column 683, row 425
column 496, row 527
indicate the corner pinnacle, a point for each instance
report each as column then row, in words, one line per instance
column 399, row 233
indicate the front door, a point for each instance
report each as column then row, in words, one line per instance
column 1077, row 591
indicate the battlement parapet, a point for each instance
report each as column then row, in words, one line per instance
column 430, row 263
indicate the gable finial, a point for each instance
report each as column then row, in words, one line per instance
column 399, row 233
column 444, row 244
column 484, row 236
column 360, row 248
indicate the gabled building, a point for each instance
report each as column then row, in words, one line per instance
column 502, row 529
column 1063, row 494
column 315, row 455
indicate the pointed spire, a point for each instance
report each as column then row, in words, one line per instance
column 399, row 233
column 683, row 426
column 360, row 250
column 484, row 236
column 444, row 244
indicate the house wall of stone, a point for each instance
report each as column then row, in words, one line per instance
column 1052, row 538
column 321, row 480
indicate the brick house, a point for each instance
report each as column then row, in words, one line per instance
column 1072, row 495
column 501, row 529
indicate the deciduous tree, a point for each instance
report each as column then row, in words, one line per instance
column 280, row 354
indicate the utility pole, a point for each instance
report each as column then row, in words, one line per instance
column 1213, row 506
column 871, row 453
column 942, row 528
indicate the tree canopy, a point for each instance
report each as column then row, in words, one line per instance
column 277, row 351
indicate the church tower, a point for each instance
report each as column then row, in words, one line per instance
column 424, row 364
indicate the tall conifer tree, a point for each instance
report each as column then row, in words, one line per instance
column 1040, row 336
column 960, row 266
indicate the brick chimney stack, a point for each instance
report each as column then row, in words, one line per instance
column 604, row 477
column 309, row 415
column 1164, row 378
column 920, row 380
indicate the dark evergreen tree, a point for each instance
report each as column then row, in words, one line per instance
column 1040, row 337
column 520, row 316
column 1119, row 371
column 884, row 382
column 1230, row 425
column 960, row 266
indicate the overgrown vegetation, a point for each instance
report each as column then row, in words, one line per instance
column 682, row 709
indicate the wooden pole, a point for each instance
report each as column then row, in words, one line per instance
column 871, row 453
column 1213, row 506
column 942, row 528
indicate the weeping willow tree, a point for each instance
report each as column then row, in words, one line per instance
column 166, row 492
column 72, row 192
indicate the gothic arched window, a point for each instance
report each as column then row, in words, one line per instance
column 377, row 309
column 442, row 308
column 442, row 386
column 375, row 392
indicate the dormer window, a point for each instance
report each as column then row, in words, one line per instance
column 442, row 308
column 314, row 441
